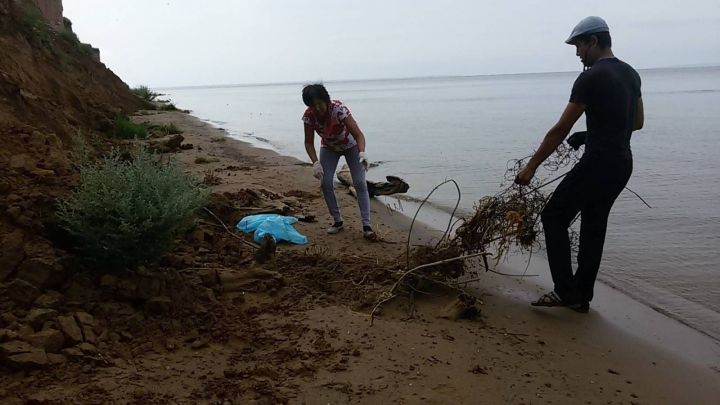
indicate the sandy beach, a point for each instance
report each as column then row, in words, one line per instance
column 302, row 334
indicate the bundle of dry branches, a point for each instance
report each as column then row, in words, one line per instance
column 509, row 219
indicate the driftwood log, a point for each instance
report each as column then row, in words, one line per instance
column 393, row 185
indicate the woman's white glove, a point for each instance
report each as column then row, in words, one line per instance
column 318, row 170
column 363, row 161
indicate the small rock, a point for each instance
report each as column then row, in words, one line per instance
column 463, row 307
column 158, row 305
column 8, row 318
column 88, row 348
column 84, row 318
column 25, row 330
column 7, row 335
column 174, row 142
column 108, row 281
column 21, row 161
column 42, row 273
column 56, row 359
column 199, row 344
column 22, row 355
column 209, row 277
column 210, row 294
column 70, row 329
column 51, row 299
column 73, row 353
column 15, row 347
column 37, row 317
column 27, row 361
column 11, row 253
column 89, row 334
column 42, row 172
column 22, row 292
column 50, row 340
column 127, row 289
column 171, row 344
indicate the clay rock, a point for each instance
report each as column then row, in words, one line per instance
column 463, row 307
column 15, row 347
column 37, row 317
column 127, row 289
column 199, row 344
column 149, row 287
column 73, row 353
column 174, row 142
column 85, row 319
column 158, row 305
column 203, row 235
column 56, row 359
column 28, row 361
column 21, row 162
column 11, row 253
column 21, row 355
column 88, row 348
column 209, row 277
column 7, row 335
column 22, row 292
column 70, row 329
column 87, row 325
column 50, row 340
column 38, row 172
column 8, row 318
column 108, row 281
column 42, row 273
column 51, row 299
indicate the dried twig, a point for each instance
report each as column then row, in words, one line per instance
column 412, row 224
column 638, row 196
column 252, row 245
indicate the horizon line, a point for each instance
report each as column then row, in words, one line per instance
column 380, row 79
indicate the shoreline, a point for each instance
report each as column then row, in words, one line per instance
column 514, row 354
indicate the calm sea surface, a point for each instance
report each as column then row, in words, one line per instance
column 467, row 128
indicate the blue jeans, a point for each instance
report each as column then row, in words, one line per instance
column 329, row 161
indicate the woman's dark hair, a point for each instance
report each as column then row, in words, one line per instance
column 603, row 38
column 314, row 92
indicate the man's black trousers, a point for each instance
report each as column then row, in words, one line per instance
column 590, row 189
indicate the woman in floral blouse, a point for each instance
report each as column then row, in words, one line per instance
column 340, row 136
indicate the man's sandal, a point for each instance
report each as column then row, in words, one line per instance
column 549, row 300
column 553, row 300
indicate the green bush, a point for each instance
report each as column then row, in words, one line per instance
column 126, row 129
column 37, row 30
column 70, row 37
column 167, row 107
column 128, row 212
column 145, row 93
column 165, row 129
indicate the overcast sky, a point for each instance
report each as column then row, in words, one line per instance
column 189, row 42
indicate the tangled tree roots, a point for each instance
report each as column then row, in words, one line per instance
column 507, row 221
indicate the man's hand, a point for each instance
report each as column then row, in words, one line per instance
column 577, row 139
column 318, row 170
column 364, row 161
column 524, row 176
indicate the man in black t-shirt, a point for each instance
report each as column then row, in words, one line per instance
column 608, row 92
